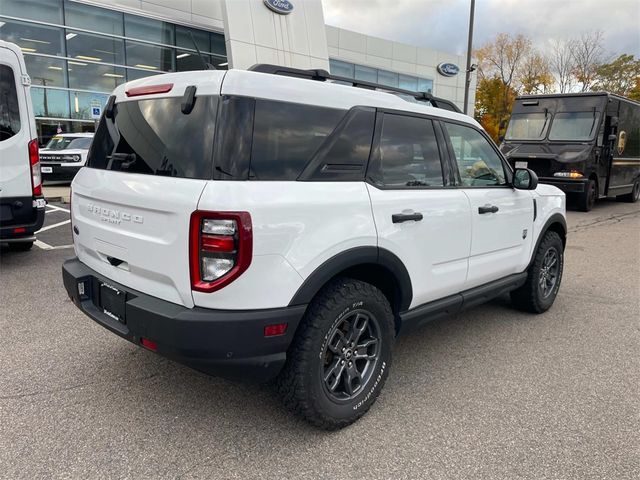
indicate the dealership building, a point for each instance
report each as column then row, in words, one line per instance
column 78, row 51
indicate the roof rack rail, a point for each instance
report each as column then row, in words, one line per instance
column 321, row 75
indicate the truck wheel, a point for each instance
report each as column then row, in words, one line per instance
column 587, row 199
column 20, row 246
column 543, row 277
column 633, row 196
column 340, row 357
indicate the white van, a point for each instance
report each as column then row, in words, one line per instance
column 64, row 155
column 21, row 202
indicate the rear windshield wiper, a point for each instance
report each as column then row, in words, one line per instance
column 125, row 160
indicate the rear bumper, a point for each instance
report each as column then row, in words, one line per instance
column 227, row 343
column 59, row 173
column 22, row 226
column 566, row 185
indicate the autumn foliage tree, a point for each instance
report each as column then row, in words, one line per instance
column 621, row 76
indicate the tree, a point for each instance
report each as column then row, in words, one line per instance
column 563, row 64
column 587, row 57
column 499, row 64
column 535, row 75
column 621, row 76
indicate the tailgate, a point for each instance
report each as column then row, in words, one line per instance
column 134, row 229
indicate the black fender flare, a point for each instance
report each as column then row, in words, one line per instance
column 352, row 258
column 555, row 218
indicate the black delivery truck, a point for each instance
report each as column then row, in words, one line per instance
column 586, row 144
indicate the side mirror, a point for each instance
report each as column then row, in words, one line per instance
column 525, row 179
column 501, row 138
column 612, row 137
column 614, row 121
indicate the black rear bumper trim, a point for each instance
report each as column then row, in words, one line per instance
column 226, row 343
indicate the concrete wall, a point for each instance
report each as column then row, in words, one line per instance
column 255, row 34
column 402, row 58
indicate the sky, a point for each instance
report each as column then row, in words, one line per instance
column 443, row 24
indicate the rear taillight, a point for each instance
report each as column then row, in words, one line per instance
column 34, row 161
column 220, row 248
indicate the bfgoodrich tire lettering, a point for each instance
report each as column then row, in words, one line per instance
column 341, row 355
column 543, row 278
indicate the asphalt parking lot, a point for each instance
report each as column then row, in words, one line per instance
column 490, row 393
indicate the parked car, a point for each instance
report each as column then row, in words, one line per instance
column 586, row 144
column 261, row 226
column 64, row 155
column 22, row 205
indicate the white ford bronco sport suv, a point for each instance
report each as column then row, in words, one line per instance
column 259, row 226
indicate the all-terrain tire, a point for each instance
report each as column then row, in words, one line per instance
column 322, row 342
column 533, row 296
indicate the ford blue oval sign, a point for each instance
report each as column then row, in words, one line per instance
column 283, row 7
column 448, row 69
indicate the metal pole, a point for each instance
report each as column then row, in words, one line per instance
column 467, row 80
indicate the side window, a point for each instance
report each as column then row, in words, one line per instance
column 286, row 135
column 9, row 107
column 408, row 154
column 478, row 162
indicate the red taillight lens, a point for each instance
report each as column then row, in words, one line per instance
column 220, row 248
column 34, row 161
column 149, row 90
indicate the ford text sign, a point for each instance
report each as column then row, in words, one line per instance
column 283, row 7
column 448, row 69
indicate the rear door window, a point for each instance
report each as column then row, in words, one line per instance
column 154, row 137
column 285, row 137
column 9, row 106
column 407, row 155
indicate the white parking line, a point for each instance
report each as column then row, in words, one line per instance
column 49, row 227
column 55, row 207
column 46, row 246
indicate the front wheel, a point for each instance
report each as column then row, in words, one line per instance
column 543, row 277
column 340, row 356
column 587, row 199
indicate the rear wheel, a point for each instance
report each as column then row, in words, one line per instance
column 633, row 196
column 587, row 199
column 543, row 277
column 341, row 355
column 20, row 246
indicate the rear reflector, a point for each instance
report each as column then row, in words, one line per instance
column 149, row 90
column 151, row 345
column 275, row 330
column 218, row 243
column 20, row 230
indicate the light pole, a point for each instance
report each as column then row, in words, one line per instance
column 469, row 69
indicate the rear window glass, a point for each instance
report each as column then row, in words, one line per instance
column 285, row 137
column 9, row 109
column 154, row 137
column 68, row 143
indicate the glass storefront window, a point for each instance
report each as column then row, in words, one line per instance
column 366, row 74
column 46, row 71
column 387, row 78
column 102, row 20
column 183, row 38
column 133, row 74
column 425, row 85
column 341, row 69
column 148, row 29
column 408, row 82
column 217, row 44
column 150, row 57
column 50, row 103
column 186, row 61
column 96, row 48
column 81, row 103
column 92, row 76
column 32, row 38
column 41, row 10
